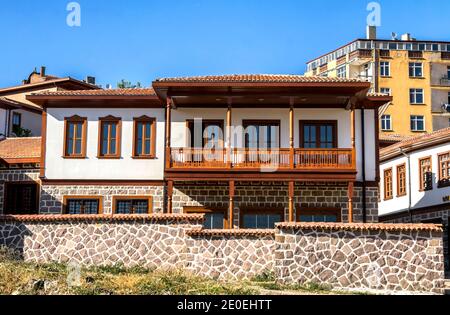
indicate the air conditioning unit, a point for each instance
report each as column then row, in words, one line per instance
column 446, row 108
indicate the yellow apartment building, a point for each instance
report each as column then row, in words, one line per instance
column 415, row 73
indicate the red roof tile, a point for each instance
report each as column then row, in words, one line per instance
column 237, row 232
column 258, row 78
column 362, row 227
column 20, row 150
column 107, row 92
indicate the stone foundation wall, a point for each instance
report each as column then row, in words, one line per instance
column 375, row 259
column 275, row 195
column 51, row 201
column 345, row 256
column 12, row 175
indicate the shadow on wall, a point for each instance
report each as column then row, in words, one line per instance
column 12, row 236
column 49, row 204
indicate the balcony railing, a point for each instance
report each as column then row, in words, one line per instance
column 299, row 159
column 361, row 53
column 445, row 81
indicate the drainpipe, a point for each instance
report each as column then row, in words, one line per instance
column 363, row 160
column 8, row 124
column 408, row 157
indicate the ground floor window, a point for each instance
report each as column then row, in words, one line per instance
column 332, row 215
column 261, row 219
column 132, row 205
column 215, row 219
column 82, row 205
column 21, row 198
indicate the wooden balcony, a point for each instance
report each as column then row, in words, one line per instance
column 248, row 159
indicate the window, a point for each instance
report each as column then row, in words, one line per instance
column 388, row 194
column 448, row 98
column 16, row 122
column 386, row 91
column 318, row 134
column 401, row 180
column 261, row 218
column 132, row 205
column 415, row 69
column 385, row 69
column 319, row 215
column 426, row 175
column 444, row 169
column 262, row 134
column 211, row 134
column 448, row 72
column 416, row 96
column 109, row 137
column 144, row 144
column 386, row 123
column 417, row 123
column 75, row 137
column 342, row 72
column 82, row 205
column 215, row 219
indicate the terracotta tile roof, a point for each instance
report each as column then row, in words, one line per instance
column 373, row 94
column 54, row 80
column 20, row 150
column 257, row 78
column 362, row 227
column 393, row 137
column 229, row 233
column 104, row 218
column 10, row 102
column 416, row 142
column 107, row 92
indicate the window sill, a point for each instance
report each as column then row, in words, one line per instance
column 109, row 157
column 417, row 78
column 143, row 157
column 385, row 76
column 74, row 157
column 417, row 104
column 387, row 130
column 387, row 199
column 400, row 196
column 419, row 131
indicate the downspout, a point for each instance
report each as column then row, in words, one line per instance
column 363, row 160
column 408, row 157
column 8, row 124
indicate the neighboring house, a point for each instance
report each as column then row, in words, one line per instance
column 416, row 73
column 18, row 114
column 416, row 182
column 246, row 150
column 386, row 140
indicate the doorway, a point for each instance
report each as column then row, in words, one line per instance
column 21, row 198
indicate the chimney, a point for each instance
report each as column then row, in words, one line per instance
column 90, row 80
column 42, row 71
column 406, row 37
column 371, row 32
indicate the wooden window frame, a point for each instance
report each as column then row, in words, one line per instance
column 190, row 122
column 101, row 122
column 319, row 211
column 443, row 182
column 67, row 198
column 209, row 210
column 136, row 121
column 386, row 197
column 257, row 210
column 115, row 199
column 421, row 173
column 261, row 122
column 399, row 193
column 67, row 122
column 334, row 123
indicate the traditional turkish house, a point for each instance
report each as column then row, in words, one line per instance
column 416, row 182
column 246, row 150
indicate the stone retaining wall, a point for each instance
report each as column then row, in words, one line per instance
column 347, row 256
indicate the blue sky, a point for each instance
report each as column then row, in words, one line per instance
column 140, row 40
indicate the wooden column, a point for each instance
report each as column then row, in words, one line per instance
column 291, row 132
column 232, row 189
column 169, row 196
column 291, row 201
column 228, row 132
column 168, row 130
column 350, row 201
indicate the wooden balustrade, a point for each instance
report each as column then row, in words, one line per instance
column 342, row 159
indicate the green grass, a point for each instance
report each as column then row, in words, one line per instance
column 20, row 278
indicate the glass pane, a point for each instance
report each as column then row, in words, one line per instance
column 140, row 207
column 91, row 207
column 147, row 147
column 250, row 221
column 124, row 207
column 79, row 130
column 105, row 131
column 78, row 147
column 74, row 206
column 148, row 130
column 71, row 130
column 273, row 219
column 139, row 131
column 306, row 218
column 112, row 146
column 214, row 221
column 104, row 147
column 113, row 127
column 70, row 147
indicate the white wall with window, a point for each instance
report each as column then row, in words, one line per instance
column 416, row 69
column 385, row 69
column 386, row 123
column 417, row 123
column 93, row 167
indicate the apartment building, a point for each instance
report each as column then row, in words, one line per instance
column 415, row 178
column 414, row 72
column 245, row 150
column 20, row 117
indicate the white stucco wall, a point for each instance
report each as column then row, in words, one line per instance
column 93, row 168
column 419, row 199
